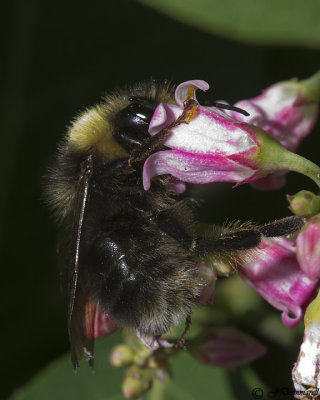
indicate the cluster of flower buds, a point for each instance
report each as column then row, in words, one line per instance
column 144, row 366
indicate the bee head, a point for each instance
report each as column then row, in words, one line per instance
column 131, row 123
column 120, row 123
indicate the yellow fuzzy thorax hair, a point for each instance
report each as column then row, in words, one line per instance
column 93, row 129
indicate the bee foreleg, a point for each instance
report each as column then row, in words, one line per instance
column 149, row 146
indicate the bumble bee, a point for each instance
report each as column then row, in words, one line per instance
column 131, row 251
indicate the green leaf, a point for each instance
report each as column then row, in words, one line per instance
column 59, row 381
column 283, row 22
column 194, row 381
column 191, row 380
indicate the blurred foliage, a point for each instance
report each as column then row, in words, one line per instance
column 285, row 22
column 191, row 380
column 60, row 57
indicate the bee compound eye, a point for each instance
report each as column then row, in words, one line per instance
column 132, row 123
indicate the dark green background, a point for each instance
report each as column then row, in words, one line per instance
column 60, row 57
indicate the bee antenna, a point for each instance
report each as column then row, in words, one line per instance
column 229, row 107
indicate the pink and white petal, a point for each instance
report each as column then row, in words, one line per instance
column 176, row 185
column 271, row 182
column 210, row 132
column 256, row 117
column 182, row 90
column 308, row 249
column 284, row 111
column 194, row 168
column 276, row 275
column 164, row 115
column 276, row 97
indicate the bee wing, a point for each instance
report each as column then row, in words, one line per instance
column 81, row 309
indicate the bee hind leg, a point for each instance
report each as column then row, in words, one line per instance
column 245, row 236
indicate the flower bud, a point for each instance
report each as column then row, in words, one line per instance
column 304, row 203
column 308, row 248
column 136, row 382
column 227, row 348
column 287, row 111
column 142, row 356
column 121, row 355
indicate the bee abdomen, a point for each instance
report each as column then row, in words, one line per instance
column 146, row 281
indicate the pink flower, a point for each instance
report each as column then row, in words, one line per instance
column 305, row 374
column 308, row 248
column 276, row 275
column 287, row 111
column 227, row 348
column 211, row 146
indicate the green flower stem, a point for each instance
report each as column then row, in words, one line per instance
column 273, row 157
column 303, row 166
column 313, row 312
column 312, row 85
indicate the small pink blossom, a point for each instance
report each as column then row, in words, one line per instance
column 152, row 342
column 287, row 111
column 308, row 248
column 276, row 275
column 227, row 348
